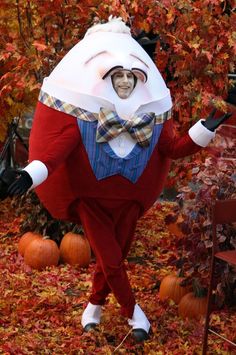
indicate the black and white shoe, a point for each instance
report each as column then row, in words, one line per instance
column 91, row 317
column 140, row 325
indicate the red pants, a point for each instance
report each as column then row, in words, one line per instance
column 109, row 226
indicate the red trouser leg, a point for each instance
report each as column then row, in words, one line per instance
column 125, row 226
column 110, row 231
column 100, row 287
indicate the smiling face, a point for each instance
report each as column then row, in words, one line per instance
column 123, row 82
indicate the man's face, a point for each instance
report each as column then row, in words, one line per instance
column 123, row 83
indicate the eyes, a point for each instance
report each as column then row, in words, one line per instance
column 120, row 75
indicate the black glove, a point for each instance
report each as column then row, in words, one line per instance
column 212, row 123
column 7, row 177
column 21, row 184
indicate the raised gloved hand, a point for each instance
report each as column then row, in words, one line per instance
column 14, row 182
column 212, row 123
column 21, row 184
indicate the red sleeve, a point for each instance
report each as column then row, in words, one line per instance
column 175, row 147
column 53, row 137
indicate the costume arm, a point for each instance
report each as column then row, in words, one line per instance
column 175, row 147
column 53, row 137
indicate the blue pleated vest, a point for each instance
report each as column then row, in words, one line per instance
column 104, row 162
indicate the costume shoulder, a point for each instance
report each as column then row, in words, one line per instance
column 53, row 136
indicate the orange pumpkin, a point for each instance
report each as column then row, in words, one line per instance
column 75, row 249
column 171, row 287
column 42, row 252
column 192, row 306
column 25, row 240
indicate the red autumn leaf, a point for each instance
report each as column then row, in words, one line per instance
column 209, row 56
column 39, row 46
column 10, row 47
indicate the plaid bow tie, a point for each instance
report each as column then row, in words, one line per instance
column 110, row 125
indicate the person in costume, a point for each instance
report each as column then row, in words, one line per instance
column 100, row 150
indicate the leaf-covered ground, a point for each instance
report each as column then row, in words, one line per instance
column 40, row 311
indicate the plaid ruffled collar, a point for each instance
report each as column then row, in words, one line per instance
column 82, row 114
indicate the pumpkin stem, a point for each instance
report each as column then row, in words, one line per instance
column 77, row 229
column 181, row 265
column 44, row 231
column 180, row 273
column 198, row 290
column 46, row 237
